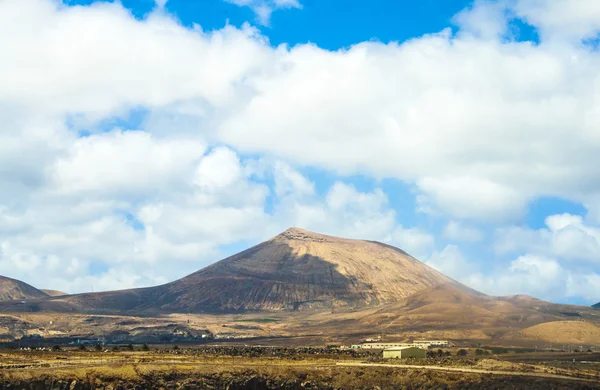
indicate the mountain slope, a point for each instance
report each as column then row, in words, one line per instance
column 295, row 270
column 12, row 289
column 597, row 305
column 54, row 293
column 452, row 311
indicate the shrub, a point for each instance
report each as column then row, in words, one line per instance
column 82, row 347
column 145, row 347
column 462, row 352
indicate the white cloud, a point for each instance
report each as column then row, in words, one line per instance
column 484, row 19
column 290, row 182
column 416, row 241
column 459, row 232
column 124, row 162
column 564, row 20
column 452, row 262
column 471, row 198
column 161, row 3
column 477, row 125
column 540, row 277
column 264, row 8
column 566, row 237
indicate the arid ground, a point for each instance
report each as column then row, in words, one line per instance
column 275, row 368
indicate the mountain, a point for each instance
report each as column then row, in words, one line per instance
column 313, row 284
column 12, row 289
column 296, row 270
column 597, row 305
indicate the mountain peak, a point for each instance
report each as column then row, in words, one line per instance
column 298, row 234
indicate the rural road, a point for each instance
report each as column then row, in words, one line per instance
column 468, row 370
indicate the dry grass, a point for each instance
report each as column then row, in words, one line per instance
column 565, row 332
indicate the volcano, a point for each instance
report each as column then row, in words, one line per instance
column 296, row 270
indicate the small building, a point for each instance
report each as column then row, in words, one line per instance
column 403, row 353
column 431, row 343
column 386, row 345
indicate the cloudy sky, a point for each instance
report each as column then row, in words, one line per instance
column 143, row 140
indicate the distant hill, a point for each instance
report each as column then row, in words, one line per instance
column 54, row 293
column 597, row 305
column 12, row 289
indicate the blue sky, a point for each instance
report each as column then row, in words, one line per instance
column 153, row 138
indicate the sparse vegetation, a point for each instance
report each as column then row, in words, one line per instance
column 158, row 370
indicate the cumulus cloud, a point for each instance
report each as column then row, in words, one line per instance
column 459, row 232
column 480, row 126
column 535, row 275
column 566, row 236
column 539, row 277
column 567, row 20
column 452, row 262
column 477, row 124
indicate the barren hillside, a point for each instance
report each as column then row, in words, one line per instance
column 12, row 289
column 567, row 332
column 54, row 293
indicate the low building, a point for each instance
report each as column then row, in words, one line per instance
column 403, row 353
column 385, row 345
column 431, row 343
